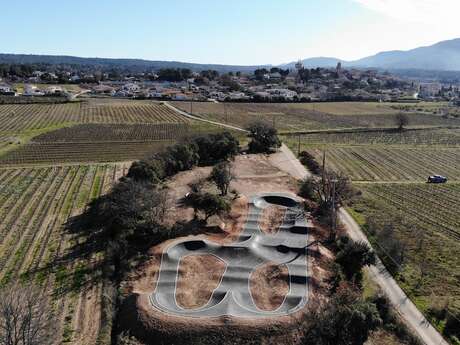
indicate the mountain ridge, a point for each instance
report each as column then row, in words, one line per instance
column 441, row 56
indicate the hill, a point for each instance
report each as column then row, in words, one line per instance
column 442, row 56
column 135, row 64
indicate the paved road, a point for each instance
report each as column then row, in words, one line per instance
column 288, row 162
column 378, row 273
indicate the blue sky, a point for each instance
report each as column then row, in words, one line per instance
column 224, row 31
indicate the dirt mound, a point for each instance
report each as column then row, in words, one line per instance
column 155, row 328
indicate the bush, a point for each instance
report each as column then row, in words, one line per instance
column 206, row 203
column 352, row 257
column 264, row 138
column 452, row 328
column 144, row 171
column 214, row 148
column 346, row 319
column 310, row 162
column 201, row 150
column 307, row 189
column 391, row 321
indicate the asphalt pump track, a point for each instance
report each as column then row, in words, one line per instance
column 253, row 249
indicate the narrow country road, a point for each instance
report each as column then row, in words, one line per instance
column 203, row 120
column 286, row 161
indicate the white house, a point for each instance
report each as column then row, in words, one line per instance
column 131, row 87
column 32, row 90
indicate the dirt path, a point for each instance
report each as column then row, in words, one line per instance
column 203, row 120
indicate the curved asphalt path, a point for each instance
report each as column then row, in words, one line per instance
column 288, row 162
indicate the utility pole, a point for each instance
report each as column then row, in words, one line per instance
column 334, row 210
column 298, row 147
column 191, row 107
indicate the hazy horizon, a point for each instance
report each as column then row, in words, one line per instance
column 239, row 33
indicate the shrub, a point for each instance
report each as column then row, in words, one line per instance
column 346, row 319
column 264, row 138
column 310, row 162
column 352, row 257
column 206, row 203
column 143, row 171
column 452, row 328
column 222, row 175
column 307, row 189
column 214, row 148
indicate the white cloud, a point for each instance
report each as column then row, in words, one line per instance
column 430, row 12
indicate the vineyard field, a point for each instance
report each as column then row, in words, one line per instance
column 115, row 133
column 447, row 137
column 288, row 117
column 81, row 152
column 427, row 220
column 15, row 118
column 373, row 163
column 35, row 204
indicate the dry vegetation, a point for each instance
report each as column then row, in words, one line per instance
column 272, row 218
column 269, row 286
column 199, row 276
column 310, row 116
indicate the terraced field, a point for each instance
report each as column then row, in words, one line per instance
column 311, row 116
column 427, row 221
column 35, row 204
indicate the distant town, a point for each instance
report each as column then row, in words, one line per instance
column 274, row 84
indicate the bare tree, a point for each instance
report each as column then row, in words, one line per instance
column 26, row 317
column 401, row 121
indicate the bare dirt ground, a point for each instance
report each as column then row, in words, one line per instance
column 199, row 276
column 269, row 284
column 272, row 218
